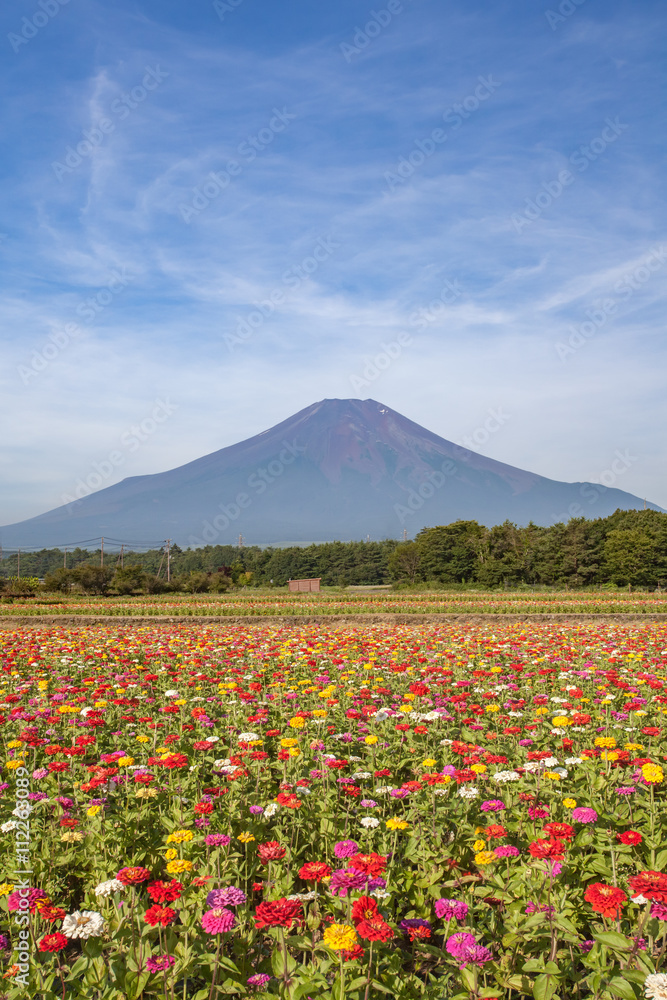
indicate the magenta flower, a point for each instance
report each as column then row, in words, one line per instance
column 582, row 814
column 477, row 955
column 218, row 921
column 659, row 910
column 160, row 964
column 507, row 851
column 346, row 848
column 344, row 880
column 451, row 909
column 259, row 980
column 492, row 805
column 217, row 840
column 229, row 896
column 459, row 943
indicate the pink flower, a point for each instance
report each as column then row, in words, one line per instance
column 582, row 814
column 458, row 943
column 506, row 851
column 345, row 848
column 217, row 840
column 492, row 805
column 218, row 921
column 451, row 909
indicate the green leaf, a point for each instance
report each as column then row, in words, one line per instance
column 661, row 861
column 545, row 987
column 621, row 988
column 533, row 965
column 613, row 940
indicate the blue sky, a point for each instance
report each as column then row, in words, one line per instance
column 235, row 209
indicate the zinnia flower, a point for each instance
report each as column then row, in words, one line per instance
column 83, row 924
column 345, row 848
column 53, row 942
column 340, row 937
column 655, row 986
column 279, row 913
column 160, row 915
column 605, row 899
column 133, row 876
column 218, row 921
column 160, row 964
column 451, row 909
column 229, row 896
column 271, row 851
column 165, row 892
column 582, row 814
column 652, row 885
column 314, row 871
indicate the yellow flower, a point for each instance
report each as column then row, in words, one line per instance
column 125, row 761
column 405, row 708
column 478, row 846
column 178, row 867
column 42, row 685
column 297, row 722
column 93, row 810
column 609, row 755
column 6, row 888
column 340, row 937
column 561, row 720
column 294, row 752
column 429, row 762
column 485, row 858
column 570, row 803
column 541, row 711
column 496, row 670
column 180, row 701
column 478, row 768
column 13, row 765
column 288, row 743
column 652, row 773
column 246, row 837
column 162, row 750
column 146, row 793
column 633, row 746
column 13, row 744
column 396, row 824
column 320, row 713
column 180, row 837
column 492, row 708
column 71, row 836
column 143, row 739
column 551, row 775
column 605, row 742
column 370, row 740
column 170, row 854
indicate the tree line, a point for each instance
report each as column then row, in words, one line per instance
column 627, row 548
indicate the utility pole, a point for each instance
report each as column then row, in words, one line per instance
column 102, row 553
column 122, row 561
column 405, row 534
column 168, row 561
column 65, row 559
column 18, row 564
column 240, row 541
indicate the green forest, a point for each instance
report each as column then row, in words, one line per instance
column 627, row 548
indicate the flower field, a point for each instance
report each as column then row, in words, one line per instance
column 445, row 811
column 276, row 602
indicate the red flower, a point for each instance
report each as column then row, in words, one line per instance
column 605, row 899
column 289, row 801
column 204, row 808
column 370, row 864
column 554, row 849
column 374, row 930
column 160, row 915
column 271, row 851
column 53, row 942
column 629, row 837
column 364, row 908
column 174, row 760
column 165, row 892
column 652, row 885
column 419, row 933
column 279, row 913
column 495, row 830
column 314, row 871
column 48, row 911
column 133, row 876
column 353, row 954
column 561, row 830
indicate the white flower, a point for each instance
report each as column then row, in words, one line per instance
column 516, row 715
column 171, row 694
column 354, row 759
column 370, row 822
column 468, row 792
column 380, row 893
column 445, row 743
column 304, row 897
column 271, row 810
column 549, row 761
column 531, row 765
column 503, row 776
column 439, row 791
column 655, row 986
column 222, row 762
column 10, row 825
column 83, row 924
column 248, row 737
column 384, row 790
column 212, row 739
column 106, row 888
column 560, row 770
column 22, row 810
column 361, row 774
column 573, row 760
column 640, row 900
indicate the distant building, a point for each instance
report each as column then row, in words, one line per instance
column 307, row 586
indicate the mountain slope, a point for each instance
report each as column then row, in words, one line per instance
column 338, row 469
